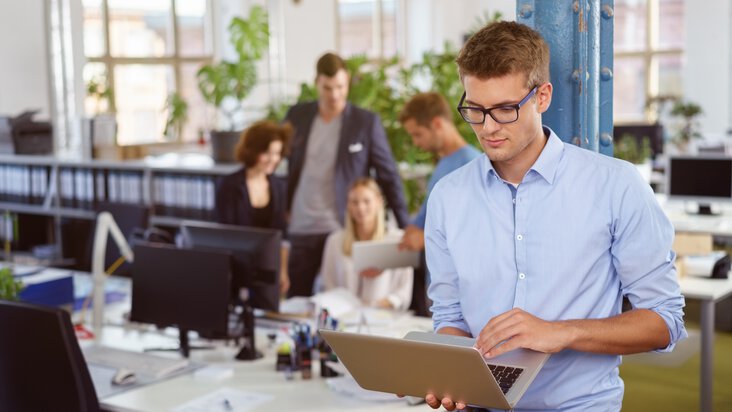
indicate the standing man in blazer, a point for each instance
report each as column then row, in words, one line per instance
column 335, row 143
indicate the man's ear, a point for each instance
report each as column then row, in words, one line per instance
column 544, row 97
column 437, row 123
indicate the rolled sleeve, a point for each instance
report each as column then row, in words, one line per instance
column 644, row 260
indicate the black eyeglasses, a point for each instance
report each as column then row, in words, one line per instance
column 501, row 114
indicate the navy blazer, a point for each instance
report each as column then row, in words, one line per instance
column 234, row 207
column 363, row 146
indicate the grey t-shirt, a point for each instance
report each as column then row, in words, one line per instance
column 314, row 205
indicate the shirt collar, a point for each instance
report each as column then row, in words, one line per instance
column 546, row 164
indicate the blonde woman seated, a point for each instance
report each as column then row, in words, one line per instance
column 390, row 288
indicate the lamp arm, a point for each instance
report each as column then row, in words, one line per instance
column 105, row 225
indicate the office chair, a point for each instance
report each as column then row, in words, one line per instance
column 42, row 368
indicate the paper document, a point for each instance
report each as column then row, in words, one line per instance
column 225, row 400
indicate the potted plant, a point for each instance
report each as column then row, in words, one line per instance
column 639, row 153
column 9, row 287
column 688, row 112
column 226, row 84
column 685, row 111
column 177, row 109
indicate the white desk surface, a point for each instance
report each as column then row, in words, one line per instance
column 257, row 376
column 679, row 214
column 706, row 288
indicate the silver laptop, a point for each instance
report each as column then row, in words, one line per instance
column 382, row 254
column 444, row 365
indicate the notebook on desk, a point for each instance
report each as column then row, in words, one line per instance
column 411, row 366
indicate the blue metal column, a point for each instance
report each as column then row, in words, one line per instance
column 580, row 43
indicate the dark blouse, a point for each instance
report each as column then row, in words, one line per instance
column 234, row 207
column 262, row 216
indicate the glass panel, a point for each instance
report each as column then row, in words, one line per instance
column 140, row 28
column 93, row 28
column 193, row 30
column 140, row 94
column 95, row 82
column 356, row 27
column 629, row 90
column 671, row 24
column 389, row 27
column 198, row 110
column 669, row 75
column 630, row 25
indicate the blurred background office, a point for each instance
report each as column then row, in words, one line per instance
column 76, row 59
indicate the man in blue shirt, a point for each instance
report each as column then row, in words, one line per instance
column 536, row 243
column 427, row 117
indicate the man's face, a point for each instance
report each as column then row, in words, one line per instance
column 511, row 141
column 333, row 91
column 423, row 137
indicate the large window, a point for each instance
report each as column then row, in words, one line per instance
column 139, row 52
column 368, row 27
column 649, row 41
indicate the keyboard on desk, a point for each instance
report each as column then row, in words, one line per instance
column 506, row 376
column 140, row 363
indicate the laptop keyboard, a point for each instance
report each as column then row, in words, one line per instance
column 506, row 376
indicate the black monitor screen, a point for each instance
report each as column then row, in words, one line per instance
column 255, row 252
column 186, row 288
column 700, row 178
column 654, row 133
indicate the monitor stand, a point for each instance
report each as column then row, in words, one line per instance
column 185, row 347
column 705, row 209
column 248, row 350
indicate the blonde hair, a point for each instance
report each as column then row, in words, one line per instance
column 349, row 232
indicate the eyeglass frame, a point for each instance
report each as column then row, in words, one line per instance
column 487, row 111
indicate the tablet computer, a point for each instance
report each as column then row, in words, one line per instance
column 382, row 254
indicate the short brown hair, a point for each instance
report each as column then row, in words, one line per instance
column 329, row 64
column 256, row 139
column 424, row 107
column 504, row 48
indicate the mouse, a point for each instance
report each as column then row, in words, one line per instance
column 123, row 376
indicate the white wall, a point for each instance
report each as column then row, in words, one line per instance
column 309, row 31
column 708, row 65
column 24, row 80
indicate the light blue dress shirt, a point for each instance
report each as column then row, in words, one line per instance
column 444, row 166
column 579, row 232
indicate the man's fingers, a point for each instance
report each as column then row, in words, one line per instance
column 432, row 401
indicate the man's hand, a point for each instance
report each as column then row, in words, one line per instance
column 520, row 329
column 447, row 403
column 413, row 239
column 371, row 272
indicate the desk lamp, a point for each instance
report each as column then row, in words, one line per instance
column 105, row 225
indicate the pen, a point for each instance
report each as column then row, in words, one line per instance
column 227, row 405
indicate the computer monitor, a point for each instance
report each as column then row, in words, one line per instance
column 255, row 252
column 189, row 289
column 654, row 133
column 701, row 179
column 42, row 368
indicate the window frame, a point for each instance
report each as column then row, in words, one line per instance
column 650, row 54
column 174, row 60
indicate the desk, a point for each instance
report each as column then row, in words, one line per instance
column 709, row 292
column 256, row 376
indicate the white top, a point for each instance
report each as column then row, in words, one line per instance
column 337, row 271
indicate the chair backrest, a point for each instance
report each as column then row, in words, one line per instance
column 42, row 367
